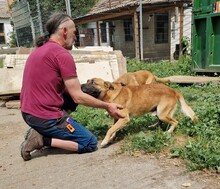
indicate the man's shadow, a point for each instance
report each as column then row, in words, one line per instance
column 49, row 151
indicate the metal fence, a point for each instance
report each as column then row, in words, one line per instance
column 27, row 28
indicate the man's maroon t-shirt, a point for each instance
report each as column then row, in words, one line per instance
column 43, row 86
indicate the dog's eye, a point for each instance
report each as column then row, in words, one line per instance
column 93, row 82
column 90, row 81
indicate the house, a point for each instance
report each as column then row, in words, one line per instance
column 5, row 25
column 156, row 34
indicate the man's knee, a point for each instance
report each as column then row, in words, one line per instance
column 89, row 147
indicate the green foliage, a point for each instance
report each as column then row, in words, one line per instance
column 13, row 42
column 96, row 120
column 186, row 45
column 148, row 143
column 163, row 68
column 81, row 7
column 201, row 148
column 78, row 8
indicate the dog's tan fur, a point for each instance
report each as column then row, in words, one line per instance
column 140, row 77
column 139, row 100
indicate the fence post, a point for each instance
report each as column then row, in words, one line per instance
column 39, row 17
column 68, row 9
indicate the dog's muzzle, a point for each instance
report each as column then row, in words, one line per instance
column 90, row 90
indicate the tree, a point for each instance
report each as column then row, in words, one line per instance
column 78, row 7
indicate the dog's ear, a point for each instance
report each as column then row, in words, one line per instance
column 108, row 85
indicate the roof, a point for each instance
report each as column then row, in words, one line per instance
column 4, row 10
column 103, row 7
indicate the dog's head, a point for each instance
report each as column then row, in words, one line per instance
column 97, row 87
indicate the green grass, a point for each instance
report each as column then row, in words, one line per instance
column 198, row 144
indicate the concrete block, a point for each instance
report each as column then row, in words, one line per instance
column 11, row 80
column 108, row 65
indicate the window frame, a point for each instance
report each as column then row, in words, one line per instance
column 128, row 30
column 161, row 28
column 103, row 30
column 2, row 34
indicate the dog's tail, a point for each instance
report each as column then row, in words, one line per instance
column 187, row 110
column 162, row 80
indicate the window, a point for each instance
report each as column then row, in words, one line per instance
column 2, row 35
column 128, row 29
column 103, row 32
column 161, row 28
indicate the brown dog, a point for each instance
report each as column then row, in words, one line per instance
column 138, row 100
column 140, row 77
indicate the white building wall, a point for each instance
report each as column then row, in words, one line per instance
column 175, row 28
column 175, row 31
column 187, row 22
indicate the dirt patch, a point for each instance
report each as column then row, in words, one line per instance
column 103, row 169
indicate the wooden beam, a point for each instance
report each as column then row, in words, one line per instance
column 98, row 33
column 181, row 29
column 136, row 36
column 110, row 3
column 105, row 16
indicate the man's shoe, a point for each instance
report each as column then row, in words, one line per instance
column 33, row 141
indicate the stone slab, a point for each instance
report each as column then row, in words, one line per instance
column 106, row 65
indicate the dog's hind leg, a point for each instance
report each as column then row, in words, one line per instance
column 165, row 114
column 154, row 113
column 112, row 131
column 173, row 123
column 168, row 119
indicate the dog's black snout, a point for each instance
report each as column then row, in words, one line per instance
column 84, row 87
column 90, row 89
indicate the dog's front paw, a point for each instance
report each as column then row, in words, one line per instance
column 104, row 143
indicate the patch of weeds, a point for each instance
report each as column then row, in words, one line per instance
column 163, row 68
column 200, row 153
column 94, row 119
column 147, row 142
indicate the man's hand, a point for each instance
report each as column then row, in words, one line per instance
column 114, row 110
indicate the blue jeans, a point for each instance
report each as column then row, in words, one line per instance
column 58, row 128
